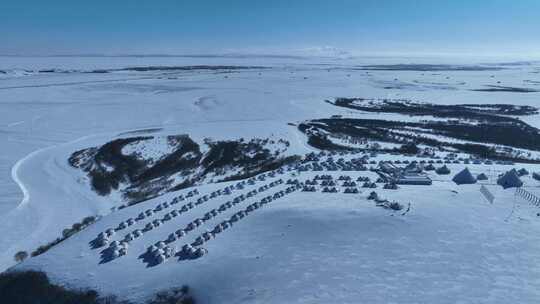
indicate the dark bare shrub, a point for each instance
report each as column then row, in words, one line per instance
column 20, row 256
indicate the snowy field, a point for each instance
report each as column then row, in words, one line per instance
column 451, row 247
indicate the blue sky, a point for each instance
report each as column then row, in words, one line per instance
column 291, row 26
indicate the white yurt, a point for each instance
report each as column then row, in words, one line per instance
column 180, row 232
column 110, row 232
column 171, row 238
column 160, row 258
column 115, row 253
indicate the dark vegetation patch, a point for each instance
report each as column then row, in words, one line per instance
column 480, row 112
column 150, row 69
column 428, row 67
column 98, row 71
column 494, row 88
column 108, row 168
column 33, row 287
column 482, row 135
column 173, row 296
column 141, row 131
column 533, row 82
column 189, row 68
column 66, row 233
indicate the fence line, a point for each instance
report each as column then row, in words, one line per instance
column 531, row 198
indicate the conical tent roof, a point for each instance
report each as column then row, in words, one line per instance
column 510, row 179
column 482, row 176
column 443, row 170
column 464, row 177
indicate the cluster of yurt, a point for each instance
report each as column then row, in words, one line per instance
column 350, row 165
column 193, row 253
column 369, row 185
column 251, row 193
column 317, row 167
column 350, row 190
column 177, row 199
column 292, row 181
column 309, row 189
column 132, row 235
column 328, row 183
column 276, row 182
column 118, row 249
column 201, row 239
column 160, row 252
column 160, row 207
column 213, row 213
column 311, row 182
column 329, row 165
column 239, row 215
column 125, row 224
column 210, row 214
column 323, row 177
column 145, row 214
column 290, row 189
column 192, row 193
column 103, row 238
column 312, row 156
column 329, row 190
column 234, row 218
column 348, row 183
column 390, row 186
column 199, row 221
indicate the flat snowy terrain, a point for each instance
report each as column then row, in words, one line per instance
column 451, row 247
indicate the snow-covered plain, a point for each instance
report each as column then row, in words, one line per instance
column 452, row 247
